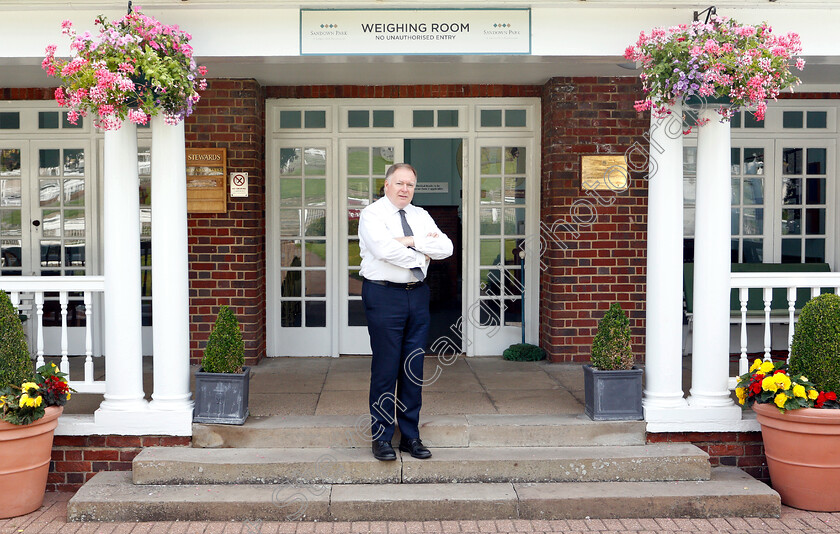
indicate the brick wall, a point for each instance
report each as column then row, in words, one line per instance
column 227, row 250
column 75, row 459
column 595, row 246
column 403, row 91
column 744, row 450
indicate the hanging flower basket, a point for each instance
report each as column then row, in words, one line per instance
column 135, row 68
column 742, row 64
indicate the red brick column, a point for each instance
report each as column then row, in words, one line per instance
column 595, row 246
column 744, row 450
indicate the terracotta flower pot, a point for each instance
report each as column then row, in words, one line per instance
column 802, row 453
column 25, row 453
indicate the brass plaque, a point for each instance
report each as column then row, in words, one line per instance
column 206, row 180
column 604, row 173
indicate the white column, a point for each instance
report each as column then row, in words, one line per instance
column 121, row 249
column 663, row 316
column 712, row 235
column 170, row 269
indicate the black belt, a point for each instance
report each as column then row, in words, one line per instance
column 386, row 283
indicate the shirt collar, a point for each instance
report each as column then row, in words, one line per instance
column 392, row 208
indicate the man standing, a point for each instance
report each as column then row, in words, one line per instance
column 397, row 240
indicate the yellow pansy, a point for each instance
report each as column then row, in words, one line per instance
column 813, row 394
column 780, row 400
column 26, row 386
column 756, row 365
column 799, row 391
column 52, row 365
column 767, row 367
column 68, row 395
column 26, row 400
column 768, row 384
column 2, row 401
column 782, row 380
column 742, row 395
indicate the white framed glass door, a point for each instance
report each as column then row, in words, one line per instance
column 15, row 239
column 753, row 188
column 362, row 166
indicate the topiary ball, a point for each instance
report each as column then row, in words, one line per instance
column 815, row 351
column 524, row 352
column 15, row 364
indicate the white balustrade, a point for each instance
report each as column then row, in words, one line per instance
column 31, row 289
column 767, row 282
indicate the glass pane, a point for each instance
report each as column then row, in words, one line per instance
column 514, row 190
column 47, row 119
column 791, row 251
column 423, row 118
column 74, row 253
column 815, row 191
column 316, row 313
column 146, row 283
column 447, row 117
column 491, row 190
column 490, row 221
column 9, row 120
column 358, row 161
column 354, row 257
column 688, row 221
column 144, row 162
column 50, row 254
column 10, row 193
column 736, row 120
column 289, row 222
column 512, row 251
column 753, row 251
column 356, row 313
column 315, row 223
column 378, row 188
column 353, row 221
column 736, row 190
column 816, row 161
column 753, row 221
column 750, row 122
column 514, row 284
column 290, row 192
column 316, row 192
column 383, row 157
column 753, row 191
column 315, row 161
column 791, row 221
column 515, row 118
column 290, row 119
column 487, row 313
column 358, row 118
column 358, row 191
column 145, row 252
column 815, row 221
column 490, row 252
column 792, row 161
column 817, row 119
column 65, row 122
column 146, row 222
column 791, row 191
column 10, row 223
column 753, row 161
column 290, row 253
column 9, row 252
column 734, row 160
column 74, row 223
column 291, row 313
column 50, row 194
column 290, row 283
column 515, row 221
column 316, row 283
column 491, row 118
column 491, row 160
column 49, row 162
column 736, row 216
column 490, row 282
column 792, row 119
column 74, row 162
column 354, row 283
column 515, row 160
column 316, row 254
column 315, row 119
column 51, row 223
column 689, row 190
column 689, row 159
column 383, row 118
column 290, row 162
column 9, row 162
column 733, row 252
column 815, row 251
column 74, row 191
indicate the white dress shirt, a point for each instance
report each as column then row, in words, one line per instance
column 385, row 258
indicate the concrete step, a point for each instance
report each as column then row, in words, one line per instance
column 654, row 462
column 111, row 496
column 436, row 431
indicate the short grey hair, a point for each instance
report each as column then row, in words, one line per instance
column 396, row 166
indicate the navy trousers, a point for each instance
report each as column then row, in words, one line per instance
column 398, row 324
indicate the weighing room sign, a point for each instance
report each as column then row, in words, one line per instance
column 415, row 31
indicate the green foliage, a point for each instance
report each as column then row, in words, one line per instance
column 815, row 351
column 524, row 352
column 15, row 365
column 225, row 350
column 611, row 347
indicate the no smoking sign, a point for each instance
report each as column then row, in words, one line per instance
column 238, row 184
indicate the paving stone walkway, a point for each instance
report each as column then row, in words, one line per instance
column 51, row 519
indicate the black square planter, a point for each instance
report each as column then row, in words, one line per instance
column 221, row 397
column 613, row 395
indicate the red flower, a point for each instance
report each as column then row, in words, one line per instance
column 820, row 400
column 831, row 396
column 755, row 387
column 778, row 371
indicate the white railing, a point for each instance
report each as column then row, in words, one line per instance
column 767, row 282
column 31, row 289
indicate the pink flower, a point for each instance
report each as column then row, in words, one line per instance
column 59, row 97
column 137, row 116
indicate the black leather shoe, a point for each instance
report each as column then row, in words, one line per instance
column 382, row 450
column 415, row 448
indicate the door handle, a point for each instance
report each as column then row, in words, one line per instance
column 36, row 223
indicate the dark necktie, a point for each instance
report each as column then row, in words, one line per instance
column 418, row 272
